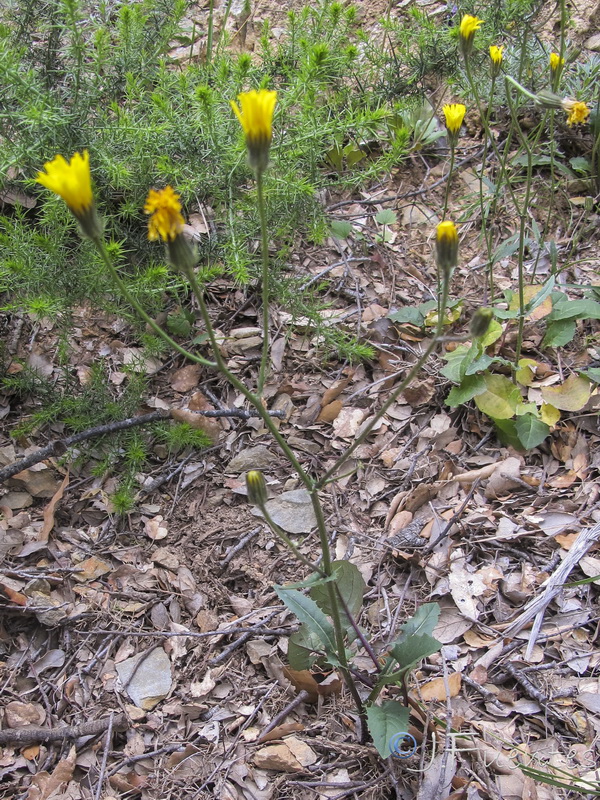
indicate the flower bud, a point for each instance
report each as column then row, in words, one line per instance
column 496, row 60
column 447, row 246
column 480, row 322
column 256, row 488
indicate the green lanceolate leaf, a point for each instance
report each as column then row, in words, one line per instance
column 559, row 333
column 350, row 584
column 385, row 721
column 469, row 387
column 409, row 315
column 576, row 309
column 507, row 433
column 410, row 650
column 422, row 622
column 531, row 430
column 301, row 647
column 309, row 613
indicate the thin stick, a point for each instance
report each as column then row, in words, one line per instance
column 109, row 733
column 30, row 735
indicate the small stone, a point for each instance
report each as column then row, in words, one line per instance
column 151, row 682
column 593, row 43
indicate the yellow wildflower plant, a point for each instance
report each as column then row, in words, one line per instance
column 468, row 26
column 446, row 245
column 166, row 223
column 496, row 57
column 72, row 181
column 255, row 114
column 454, row 114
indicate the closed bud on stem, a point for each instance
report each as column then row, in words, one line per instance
column 480, row 322
column 256, row 488
column 496, row 57
column 454, row 114
column 446, row 246
column 556, row 65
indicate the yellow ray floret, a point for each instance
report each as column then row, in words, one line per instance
column 166, row 222
column 70, row 180
column 556, row 61
column 454, row 114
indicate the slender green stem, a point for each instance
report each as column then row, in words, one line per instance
column 522, row 233
column 101, row 247
column 392, row 398
column 449, row 179
column 209, row 36
column 288, row 542
column 237, row 384
column 487, row 233
column 264, row 360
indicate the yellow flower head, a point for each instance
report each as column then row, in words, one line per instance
column 166, row 222
column 447, row 245
column 255, row 114
column 454, row 114
column 577, row 110
column 468, row 26
column 72, row 181
column 496, row 56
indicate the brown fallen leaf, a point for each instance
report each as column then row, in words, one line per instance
column 330, row 411
column 50, row 509
column 186, row 378
column 43, row 785
column 436, row 689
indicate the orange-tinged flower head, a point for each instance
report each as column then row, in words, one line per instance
column 72, row 181
column 447, row 245
column 166, row 222
column 454, row 115
column 255, row 113
column 496, row 56
column 577, row 110
column 468, row 26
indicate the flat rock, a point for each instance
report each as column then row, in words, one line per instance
column 259, row 457
column 593, row 43
column 151, row 682
column 293, row 511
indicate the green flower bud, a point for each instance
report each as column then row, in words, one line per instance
column 256, row 488
column 480, row 322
